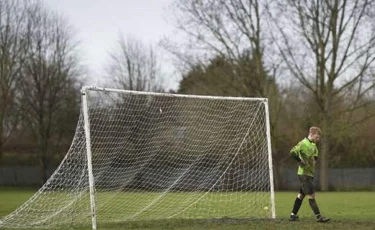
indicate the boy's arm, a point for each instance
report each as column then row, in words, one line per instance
column 316, row 155
column 296, row 154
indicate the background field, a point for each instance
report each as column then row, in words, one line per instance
column 348, row 210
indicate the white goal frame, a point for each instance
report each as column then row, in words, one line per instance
column 148, row 156
column 85, row 108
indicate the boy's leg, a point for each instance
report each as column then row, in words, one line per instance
column 297, row 205
column 309, row 190
column 315, row 208
column 298, row 201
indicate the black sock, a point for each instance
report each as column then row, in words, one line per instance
column 314, row 207
column 297, row 205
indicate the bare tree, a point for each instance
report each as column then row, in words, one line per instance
column 133, row 66
column 13, row 45
column 329, row 47
column 223, row 28
column 49, row 82
column 233, row 30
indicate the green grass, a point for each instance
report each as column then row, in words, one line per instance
column 348, row 210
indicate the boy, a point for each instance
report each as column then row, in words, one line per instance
column 306, row 154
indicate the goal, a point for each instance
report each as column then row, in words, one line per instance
column 140, row 156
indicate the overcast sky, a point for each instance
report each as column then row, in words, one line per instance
column 98, row 24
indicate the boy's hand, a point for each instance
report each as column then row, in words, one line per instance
column 302, row 163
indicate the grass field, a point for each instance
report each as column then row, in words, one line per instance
column 348, row 210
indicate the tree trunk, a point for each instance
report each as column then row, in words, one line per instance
column 43, row 169
column 1, row 137
column 324, row 164
column 1, row 149
column 44, row 160
column 277, row 177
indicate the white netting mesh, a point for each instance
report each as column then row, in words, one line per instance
column 157, row 157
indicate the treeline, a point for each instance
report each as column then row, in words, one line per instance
column 293, row 111
column 39, row 82
column 314, row 60
column 41, row 74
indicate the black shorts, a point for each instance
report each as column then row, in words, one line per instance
column 306, row 185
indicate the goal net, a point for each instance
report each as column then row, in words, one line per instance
column 140, row 156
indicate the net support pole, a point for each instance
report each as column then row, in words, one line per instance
column 89, row 157
column 270, row 165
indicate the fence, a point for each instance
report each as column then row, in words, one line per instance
column 339, row 179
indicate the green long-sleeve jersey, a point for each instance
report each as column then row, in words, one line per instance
column 307, row 151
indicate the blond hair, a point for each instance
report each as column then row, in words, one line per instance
column 315, row 130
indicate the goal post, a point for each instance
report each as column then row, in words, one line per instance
column 270, row 165
column 86, row 119
column 140, row 156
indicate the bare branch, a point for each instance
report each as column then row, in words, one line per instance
column 134, row 67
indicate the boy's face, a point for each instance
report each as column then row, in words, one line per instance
column 315, row 137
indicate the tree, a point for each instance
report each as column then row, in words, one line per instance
column 13, row 46
column 232, row 30
column 217, row 78
column 222, row 28
column 328, row 46
column 220, row 77
column 134, row 67
column 50, row 85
